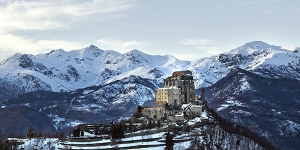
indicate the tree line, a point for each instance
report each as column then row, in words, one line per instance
column 234, row 128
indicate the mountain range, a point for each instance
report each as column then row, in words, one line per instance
column 266, row 106
column 91, row 85
column 59, row 70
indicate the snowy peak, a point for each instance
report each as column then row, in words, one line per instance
column 88, row 52
column 256, row 54
column 69, row 70
column 135, row 57
column 92, row 47
column 11, row 58
column 91, row 51
column 258, row 57
column 139, row 58
column 257, row 45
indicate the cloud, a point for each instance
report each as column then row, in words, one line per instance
column 252, row 2
column 35, row 15
column 211, row 50
column 195, row 41
column 268, row 12
column 290, row 47
column 10, row 42
column 296, row 9
column 45, row 15
column 208, row 46
column 186, row 57
column 120, row 46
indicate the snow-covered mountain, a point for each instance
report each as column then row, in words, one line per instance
column 67, row 71
column 269, row 107
column 93, row 104
column 59, row 70
column 90, row 85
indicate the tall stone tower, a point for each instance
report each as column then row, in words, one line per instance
column 202, row 98
column 184, row 81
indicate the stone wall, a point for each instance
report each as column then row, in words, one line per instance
column 167, row 95
column 196, row 110
column 156, row 112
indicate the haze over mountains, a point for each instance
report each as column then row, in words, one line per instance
column 90, row 85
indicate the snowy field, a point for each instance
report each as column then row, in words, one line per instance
column 145, row 142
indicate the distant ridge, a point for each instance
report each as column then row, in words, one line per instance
column 91, row 84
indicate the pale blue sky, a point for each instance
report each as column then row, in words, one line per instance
column 186, row 29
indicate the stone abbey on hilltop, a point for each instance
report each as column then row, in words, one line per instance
column 178, row 89
column 176, row 100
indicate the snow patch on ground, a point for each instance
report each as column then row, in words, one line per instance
column 230, row 102
column 204, row 115
column 289, row 128
column 39, row 143
column 246, row 113
column 245, row 85
column 87, row 91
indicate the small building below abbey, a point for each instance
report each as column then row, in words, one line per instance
column 176, row 100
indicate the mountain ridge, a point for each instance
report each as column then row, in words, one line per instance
column 93, row 104
column 60, row 71
column 67, row 71
column 263, row 105
column 90, row 84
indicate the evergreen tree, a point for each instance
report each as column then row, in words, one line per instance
column 96, row 131
column 169, row 141
column 113, row 131
column 158, row 124
column 139, row 109
column 117, row 131
column 142, row 127
column 76, row 132
column 62, row 136
column 138, row 113
column 150, row 124
column 124, row 127
column 133, row 118
column 82, row 133
column 130, row 127
column 121, row 131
